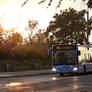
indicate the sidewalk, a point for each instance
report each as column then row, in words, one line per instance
column 24, row 73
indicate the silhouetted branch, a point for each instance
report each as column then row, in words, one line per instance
column 42, row 1
column 59, row 4
column 24, row 3
column 50, row 2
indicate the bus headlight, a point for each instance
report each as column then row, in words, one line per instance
column 75, row 68
column 54, row 69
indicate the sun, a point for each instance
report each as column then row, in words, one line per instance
column 17, row 17
column 10, row 23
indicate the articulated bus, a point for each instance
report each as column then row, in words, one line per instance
column 71, row 58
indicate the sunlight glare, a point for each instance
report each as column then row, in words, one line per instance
column 18, row 17
column 54, row 78
column 18, row 86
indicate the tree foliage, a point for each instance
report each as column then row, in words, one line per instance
column 32, row 52
column 89, row 3
column 30, row 29
column 16, row 38
column 1, row 34
column 68, row 27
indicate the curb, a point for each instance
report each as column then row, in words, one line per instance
column 25, row 73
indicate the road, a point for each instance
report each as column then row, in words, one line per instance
column 47, row 83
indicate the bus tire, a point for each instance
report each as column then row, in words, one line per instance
column 61, row 74
column 84, row 69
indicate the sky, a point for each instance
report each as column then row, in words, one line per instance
column 12, row 15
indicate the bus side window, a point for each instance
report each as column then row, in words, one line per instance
column 81, row 58
column 85, row 57
column 83, row 61
column 90, row 58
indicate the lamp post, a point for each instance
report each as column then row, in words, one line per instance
column 87, row 24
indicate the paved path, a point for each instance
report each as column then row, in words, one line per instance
column 24, row 73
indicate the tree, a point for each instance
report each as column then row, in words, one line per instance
column 1, row 34
column 39, row 38
column 89, row 25
column 89, row 3
column 32, row 24
column 68, row 27
column 15, row 38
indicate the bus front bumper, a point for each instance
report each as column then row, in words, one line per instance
column 73, row 70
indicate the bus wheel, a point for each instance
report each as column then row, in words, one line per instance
column 84, row 69
column 61, row 74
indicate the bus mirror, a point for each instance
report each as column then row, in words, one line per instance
column 79, row 53
column 48, row 52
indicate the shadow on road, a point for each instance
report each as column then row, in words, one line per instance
column 77, row 74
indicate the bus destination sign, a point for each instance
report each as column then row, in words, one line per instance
column 65, row 47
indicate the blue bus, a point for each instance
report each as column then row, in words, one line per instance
column 71, row 58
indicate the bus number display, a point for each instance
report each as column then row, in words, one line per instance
column 65, row 47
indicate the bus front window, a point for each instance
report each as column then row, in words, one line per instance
column 65, row 58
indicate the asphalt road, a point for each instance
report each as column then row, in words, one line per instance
column 47, row 83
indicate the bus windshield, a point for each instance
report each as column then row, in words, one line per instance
column 65, row 57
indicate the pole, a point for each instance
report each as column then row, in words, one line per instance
column 87, row 13
column 87, row 24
